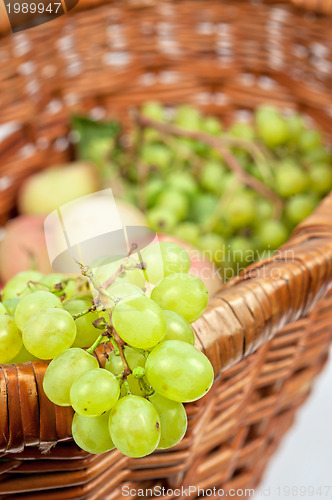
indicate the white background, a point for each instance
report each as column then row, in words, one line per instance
column 304, row 457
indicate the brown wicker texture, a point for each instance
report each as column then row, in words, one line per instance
column 266, row 333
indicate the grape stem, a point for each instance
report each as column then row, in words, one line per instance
column 83, row 313
column 96, row 343
column 121, row 268
column 145, row 387
column 220, row 146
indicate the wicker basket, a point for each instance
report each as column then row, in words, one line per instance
column 266, row 336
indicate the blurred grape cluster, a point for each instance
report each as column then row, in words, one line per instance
column 188, row 189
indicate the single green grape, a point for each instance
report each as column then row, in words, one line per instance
column 175, row 201
column 62, row 372
column 240, row 250
column 300, row 206
column 178, row 371
column 321, row 178
column 11, row 305
column 153, row 189
column 212, row 246
column 173, row 420
column 211, row 125
column 165, row 258
column 124, row 291
column 271, row 127
column 241, row 210
column 264, row 209
column 10, row 339
column 187, row 231
column 49, row 332
column 242, row 131
column 188, row 117
column 161, row 219
column 203, row 207
column 212, row 176
column 272, row 234
column 177, row 328
column 139, row 322
column 94, row 392
column 290, row 179
column 182, row 293
column 154, row 110
column 86, row 332
column 17, row 286
column 92, row 434
column 156, row 155
column 296, row 128
column 32, row 303
column 23, row 356
column 3, row 310
column 309, row 140
column 183, row 181
column 134, row 426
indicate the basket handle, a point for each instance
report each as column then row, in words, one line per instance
column 269, row 294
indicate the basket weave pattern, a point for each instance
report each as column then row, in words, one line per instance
column 267, row 338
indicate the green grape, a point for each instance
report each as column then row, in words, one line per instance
column 11, row 305
column 32, row 303
column 211, row 125
column 86, row 332
column 49, row 332
column 177, row 328
column 134, row 359
column 271, row 127
column 296, row 128
column 178, row 371
column 153, row 189
column 184, row 182
column 264, row 209
column 153, row 110
column 228, row 183
column 203, row 207
column 241, row 210
column 187, row 231
column 212, row 176
column 165, row 258
column 161, row 219
column 188, row 117
column 212, row 245
column 139, row 322
column 104, row 270
column 94, row 392
column 272, row 233
column 62, row 372
column 156, row 155
column 51, row 280
column 173, row 420
column 300, row 206
column 321, row 178
column 134, row 426
column 182, row 293
column 290, row 179
column 309, row 140
column 92, row 434
column 18, row 285
column 23, row 356
column 10, row 339
column 3, row 310
column 242, row 131
column 240, row 250
column 175, row 201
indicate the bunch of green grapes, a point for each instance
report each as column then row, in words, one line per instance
column 190, row 191
column 144, row 308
